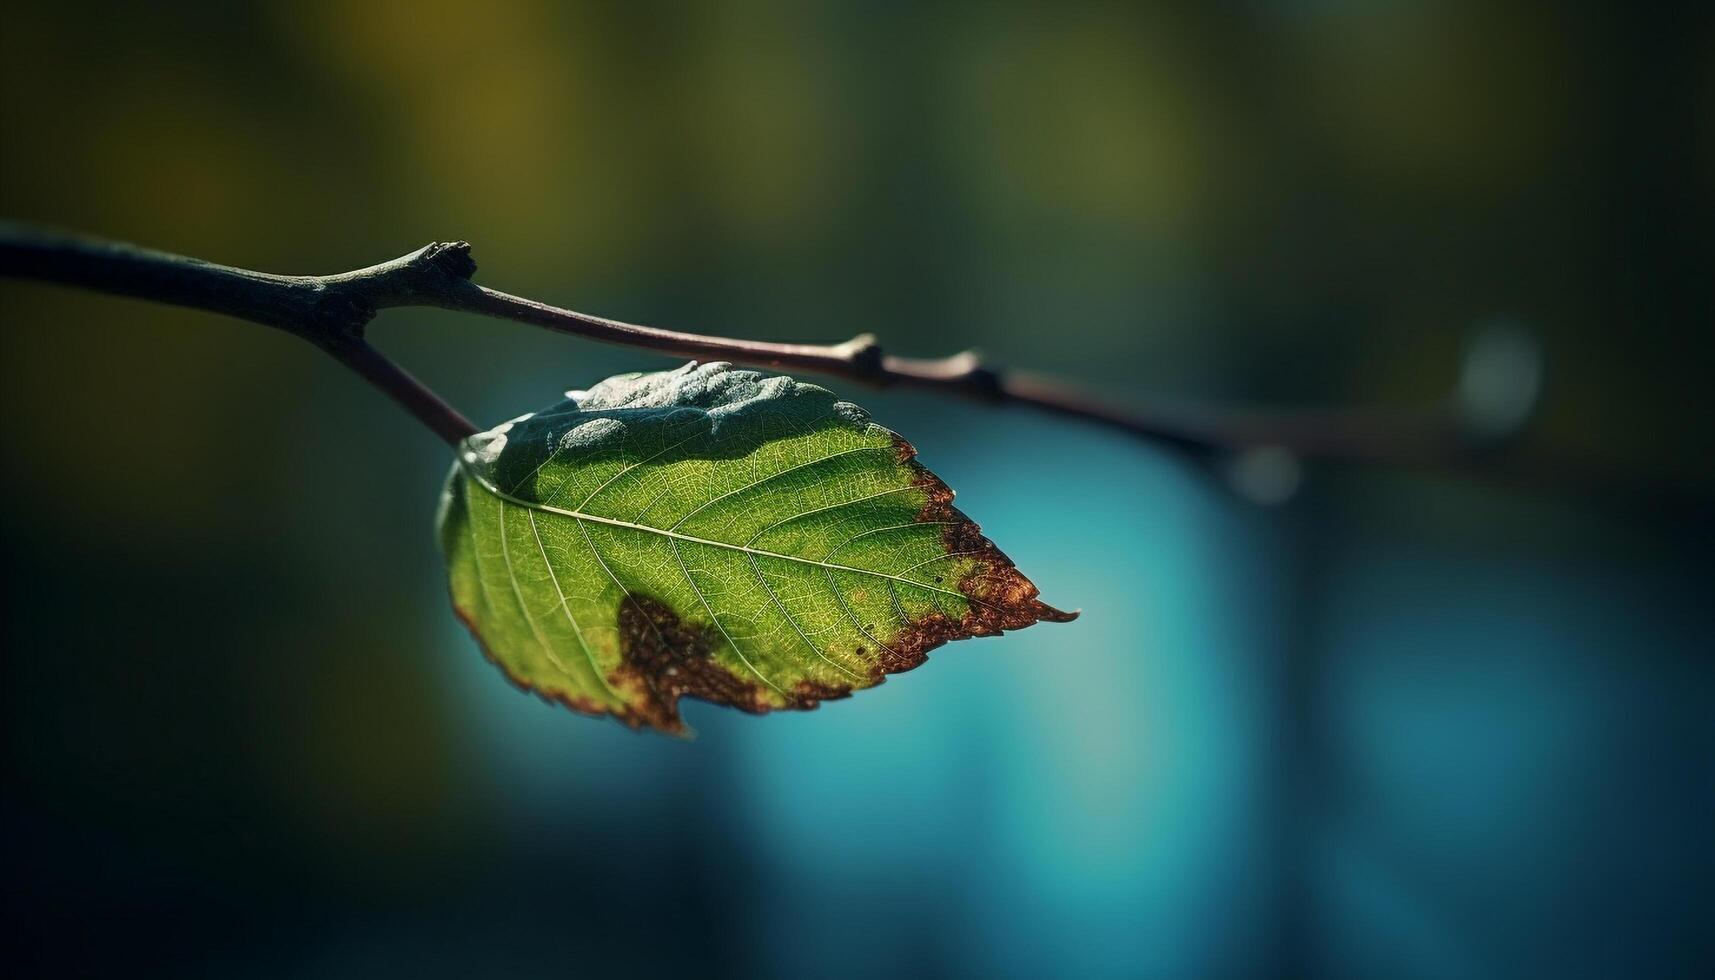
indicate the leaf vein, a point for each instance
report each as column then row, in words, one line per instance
column 757, row 483
column 757, row 569
column 679, row 536
column 566, row 607
column 692, row 582
column 512, row 575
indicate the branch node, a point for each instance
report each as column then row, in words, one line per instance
column 449, row 258
column 983, row 380
column 865, row 355
column 337, row 317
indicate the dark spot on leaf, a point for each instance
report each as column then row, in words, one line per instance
column 667, row 659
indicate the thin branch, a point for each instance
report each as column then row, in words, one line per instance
column 328, row 311
column 332, row 311
column 1425, row 437
column 381, row 371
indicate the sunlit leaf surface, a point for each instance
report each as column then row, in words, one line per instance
column 717, row 534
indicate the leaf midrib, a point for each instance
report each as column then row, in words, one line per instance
column 480, row 480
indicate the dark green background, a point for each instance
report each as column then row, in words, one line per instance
column 1404, row 725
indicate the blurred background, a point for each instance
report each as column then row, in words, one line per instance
column 1399, row 724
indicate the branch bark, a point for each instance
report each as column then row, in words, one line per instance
column 332, row 312
column 328, row 311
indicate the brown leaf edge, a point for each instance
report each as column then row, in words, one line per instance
column 668, row 659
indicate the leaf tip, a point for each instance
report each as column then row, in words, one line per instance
column 1048, row 614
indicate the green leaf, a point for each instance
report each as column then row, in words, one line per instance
column 717, row 534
